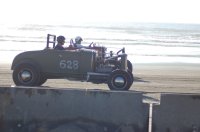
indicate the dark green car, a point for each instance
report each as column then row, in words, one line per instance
column 33, row 68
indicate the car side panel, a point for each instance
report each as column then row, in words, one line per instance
column 60, row 63
column 70, row 62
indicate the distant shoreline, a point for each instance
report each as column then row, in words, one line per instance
column 144, row 42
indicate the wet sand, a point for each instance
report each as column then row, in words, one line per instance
column 171, row 77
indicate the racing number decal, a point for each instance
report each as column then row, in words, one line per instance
column 69, row 64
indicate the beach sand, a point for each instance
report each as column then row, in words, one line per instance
column 169, row 77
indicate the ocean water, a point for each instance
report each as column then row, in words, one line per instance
column 144, row 42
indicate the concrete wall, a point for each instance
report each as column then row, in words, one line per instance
column 64, row 110
column 177, row 113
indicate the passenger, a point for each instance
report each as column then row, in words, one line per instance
column 60, row 43
column 78, row 41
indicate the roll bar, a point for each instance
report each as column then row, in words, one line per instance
column 51, row 39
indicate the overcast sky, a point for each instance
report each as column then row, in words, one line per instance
column 65, row 11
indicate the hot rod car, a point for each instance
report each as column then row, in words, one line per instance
column 33, row 68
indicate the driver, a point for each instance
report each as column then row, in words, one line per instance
column 60, row 43
column 78, row 41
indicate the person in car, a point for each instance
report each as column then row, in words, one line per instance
column 78, row 41
column 60, row 43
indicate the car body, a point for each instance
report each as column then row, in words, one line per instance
column 33, row 68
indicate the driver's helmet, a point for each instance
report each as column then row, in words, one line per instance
column 60, row 39
column 78, row 40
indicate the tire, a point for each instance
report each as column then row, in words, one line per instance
column 26, row 74
column 119, row 80
column 131, row 75
column 43, row 79
column 130, row 66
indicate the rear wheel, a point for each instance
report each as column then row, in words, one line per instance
column 43, row 79
column 119, row 80
column 26, row 74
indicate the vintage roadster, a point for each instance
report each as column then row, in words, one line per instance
column 33, row 68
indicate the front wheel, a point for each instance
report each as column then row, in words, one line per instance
column 119, row 80
column 130, row 66
column 131, row 75
column 26, row 74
